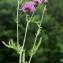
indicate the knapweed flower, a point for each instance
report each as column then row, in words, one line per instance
column 28, row 7
column 38, row 1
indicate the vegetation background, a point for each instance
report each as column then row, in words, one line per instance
column 51, row 49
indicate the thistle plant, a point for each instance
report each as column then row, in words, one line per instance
column 28, row 8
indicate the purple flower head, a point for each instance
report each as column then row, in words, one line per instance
column 28, row 7
column 38, row 1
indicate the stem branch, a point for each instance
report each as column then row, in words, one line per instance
column 25, row 34
column 30, row 59
column 39, row 26
column 38, row 31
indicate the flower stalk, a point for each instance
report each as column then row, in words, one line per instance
column 17, row 23
column 20, row 57
column 39, row 29
column 30, row 59
column 25, row 33
column 38, row 32
column 28, row 21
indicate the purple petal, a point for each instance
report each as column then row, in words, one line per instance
column 28, row 7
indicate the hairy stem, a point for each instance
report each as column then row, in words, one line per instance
column 20, row 57
column 25, row 34
column 43, row 15
column 30, row 59
column 17, row 23
column 39, row 26
column 38, row 31
column 23, row 58
column 26, row 29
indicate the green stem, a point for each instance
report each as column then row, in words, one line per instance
column 43, row 15
column 39, row 26
column 25, row 34
column 38, row 31
column 30, row 59
column 18, row 29
column 26, row 29
column 17, row 23
column 20, row 58
column 23, row 58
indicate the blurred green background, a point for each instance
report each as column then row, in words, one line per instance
column 51, row 49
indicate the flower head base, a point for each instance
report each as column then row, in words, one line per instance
column 38, row 1
column 28, row 7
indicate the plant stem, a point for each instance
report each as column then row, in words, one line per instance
column 39, row 26
column 30, row 59
column 17, row 23
column 38, row 31
column 43, row 15
column 20, row 57
column 26, row 29
column 25, row 34
column 23, row 58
